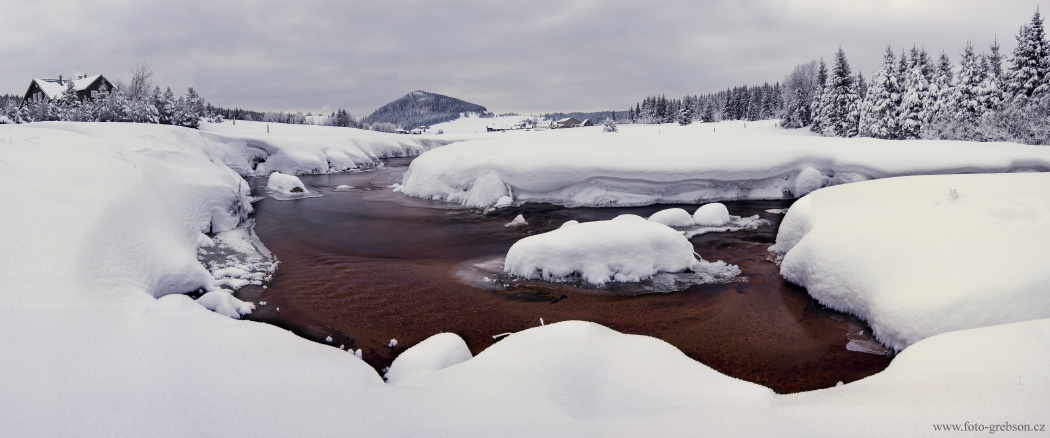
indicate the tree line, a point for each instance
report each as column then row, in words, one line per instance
column 912, row 96
column 737, row 103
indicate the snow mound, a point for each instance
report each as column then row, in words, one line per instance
column 808, row 180
column 711, row 215
column 519, row 221
column 627, row 248
column 342, row 188
column 224, row 303
column 433, row 354
column 287, row 184
column 673, row 217
column 918, row 256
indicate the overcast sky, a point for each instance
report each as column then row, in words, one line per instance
column 525, row 56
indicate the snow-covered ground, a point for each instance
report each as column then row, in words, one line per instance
column 924, row 255
column 98, row 220
column 649, row 164
column 472, row 124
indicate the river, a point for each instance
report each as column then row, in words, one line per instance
column 367, row 265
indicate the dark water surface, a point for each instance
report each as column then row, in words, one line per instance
column 367, row 265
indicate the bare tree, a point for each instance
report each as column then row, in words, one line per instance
column 141, row 82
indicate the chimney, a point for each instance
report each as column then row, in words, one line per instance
column 59, row 79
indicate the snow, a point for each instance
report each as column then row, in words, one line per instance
column 711, row 215
column 627, row 248
column 286, row 184
column 224, row 303
column 104, row 231
column 518, row 221
column 342, row 188
column 436, row 353
column 924, row 255
column 472, row 124
column 673, row 217
column 694, row 164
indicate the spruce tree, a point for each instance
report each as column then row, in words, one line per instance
column 881, row 105
column 817, row 105
column 1030, row 65
column 840, row 111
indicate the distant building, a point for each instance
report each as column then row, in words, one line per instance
column 570, row 122
column 586, row 122
column 87, row 87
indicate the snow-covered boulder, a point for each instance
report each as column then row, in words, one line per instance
column 625, row 249
column 433, row 354
column 286, row 184
column 714, row 214
column 673, row 217
column 223, row 302
column 923, row 255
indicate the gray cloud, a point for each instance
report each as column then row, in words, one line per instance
column 529, row 56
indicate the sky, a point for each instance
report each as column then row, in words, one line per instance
column 526, row 56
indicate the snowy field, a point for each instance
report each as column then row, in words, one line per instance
column 102, row 226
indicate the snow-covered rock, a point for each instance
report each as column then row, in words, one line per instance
column 519, row 221
column 714, row 214
column 673, row 217
column 924, row 255
column 436, row 353
column 286, row 184
column 627, row 248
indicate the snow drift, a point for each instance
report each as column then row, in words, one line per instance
column 918, row 256
column 699, row 163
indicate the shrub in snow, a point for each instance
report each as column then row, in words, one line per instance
column 673, row 217
column 714, row 214
column 609, row 125
column 625, row 249
column 433, row 354
column 223, row 302
column 286, row 184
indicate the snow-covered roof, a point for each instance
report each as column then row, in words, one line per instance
column 53, row 89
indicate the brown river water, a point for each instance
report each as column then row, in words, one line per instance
column 367, row 265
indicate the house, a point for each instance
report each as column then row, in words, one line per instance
column 586, row 122
column 570, row 122
column 51, row 89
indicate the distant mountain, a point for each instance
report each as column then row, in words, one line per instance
column 420, row 108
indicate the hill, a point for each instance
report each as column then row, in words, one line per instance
column 420, row 108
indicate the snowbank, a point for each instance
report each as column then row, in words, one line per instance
column 673, row 217
column 919, row 256
column 698, row 163
column 627, row 248
column 259, row 149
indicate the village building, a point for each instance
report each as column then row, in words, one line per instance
column 569, row 122
column 87, row 87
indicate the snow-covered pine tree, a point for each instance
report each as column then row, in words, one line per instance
column 841, row 113
column 166, row 107
column 817, row 105
column 881, row 105
column 965, row 100
column 685, row 116
column 990, row 92
column 1029, row 68
column 916, row 97
column 940, row 113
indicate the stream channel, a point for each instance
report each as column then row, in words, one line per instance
column 367, row 265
